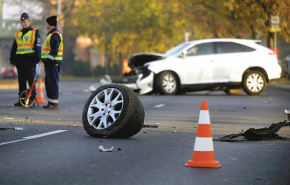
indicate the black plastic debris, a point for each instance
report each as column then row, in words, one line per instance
column 150, row 126
column 266, row 133
column 13, row 128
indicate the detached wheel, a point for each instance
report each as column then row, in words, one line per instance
column 167, row 83
column 254, row 83
column 236, row 91
column 113, row 111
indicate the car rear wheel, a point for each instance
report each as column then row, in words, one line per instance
column 254, row 83
column 113, row 111
column 235, row 91
column 167, row 83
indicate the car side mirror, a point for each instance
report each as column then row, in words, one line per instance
column 183, row 54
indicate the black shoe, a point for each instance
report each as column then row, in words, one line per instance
column 50, row 106
column 17, row 104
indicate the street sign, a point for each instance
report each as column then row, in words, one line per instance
column 275, row 28
column 275, row 22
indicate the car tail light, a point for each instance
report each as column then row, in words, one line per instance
column 274, row 54
column 4, row 70
column 14, row 70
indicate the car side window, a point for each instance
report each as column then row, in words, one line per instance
column 228, row 47
column 201, row 49
column 247, row 48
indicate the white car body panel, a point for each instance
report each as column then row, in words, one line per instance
column 212, row 68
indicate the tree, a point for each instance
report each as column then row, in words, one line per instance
column 254, row 15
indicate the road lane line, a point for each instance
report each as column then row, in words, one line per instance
column 158, row 106
column 44, row 134
column 34, row 137
column 9, row 142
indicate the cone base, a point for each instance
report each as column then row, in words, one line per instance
column 203, row 164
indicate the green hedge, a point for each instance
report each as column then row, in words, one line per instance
column 83, row 69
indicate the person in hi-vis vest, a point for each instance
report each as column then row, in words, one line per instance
column 51, row 56
column 25, row 54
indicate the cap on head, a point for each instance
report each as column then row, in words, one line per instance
column 24, row 16
column 51, row 21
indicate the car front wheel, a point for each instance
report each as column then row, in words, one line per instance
column 167, row 83
column 254, row 83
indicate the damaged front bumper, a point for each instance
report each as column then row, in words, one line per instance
column 141, row 83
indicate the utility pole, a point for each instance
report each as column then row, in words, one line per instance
column 59, row 14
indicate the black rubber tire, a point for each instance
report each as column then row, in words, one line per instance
column 247, row 76
column 235, row 91
column 130, row 120
column 159, row 84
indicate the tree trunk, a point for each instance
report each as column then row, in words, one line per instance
column 69, row 42
column 270, row 40
column 253, row 31
column 68, row 51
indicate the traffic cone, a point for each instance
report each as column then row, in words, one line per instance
column 39, row 91
column 203, row 153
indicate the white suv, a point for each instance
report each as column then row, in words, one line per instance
column 211, row 64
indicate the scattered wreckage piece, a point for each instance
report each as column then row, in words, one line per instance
column 101, row 148
column 113, row 110
column 252, row 134
column 13, row 128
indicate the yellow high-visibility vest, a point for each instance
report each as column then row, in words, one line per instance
column 25, row 43
column 46, row 48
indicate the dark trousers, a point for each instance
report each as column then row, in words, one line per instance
column 51, row 82
column 26, row 72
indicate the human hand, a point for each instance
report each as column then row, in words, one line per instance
column 47, row 61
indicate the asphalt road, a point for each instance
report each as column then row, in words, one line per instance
column 51, row 147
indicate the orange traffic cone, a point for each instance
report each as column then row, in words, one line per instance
column 203, row 154
column 39, row 91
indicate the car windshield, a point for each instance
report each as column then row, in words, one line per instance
column 176, row 49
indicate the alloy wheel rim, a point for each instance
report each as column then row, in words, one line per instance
column 169, row 83
column 255, row 82
column 105, row 108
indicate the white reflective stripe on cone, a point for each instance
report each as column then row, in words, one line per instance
column 53, row 101
column 39, row 95
column 203, row 117
column 203, row 144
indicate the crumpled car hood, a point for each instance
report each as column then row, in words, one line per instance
column 139, row 59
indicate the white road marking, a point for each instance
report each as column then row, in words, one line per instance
column 158, row 106
column 34, row 137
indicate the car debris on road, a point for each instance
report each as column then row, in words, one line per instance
column 266, row 133
column 101, row 148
